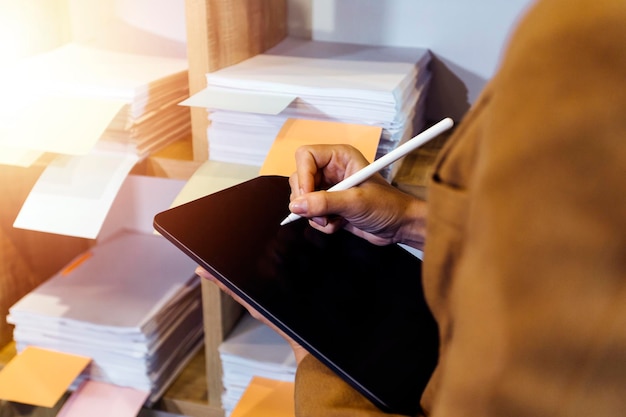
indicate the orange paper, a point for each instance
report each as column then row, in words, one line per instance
column 280, row 159
column 266, row 398
column 40, row 377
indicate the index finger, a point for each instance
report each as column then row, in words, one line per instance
column 322, row 166
column 310, row 162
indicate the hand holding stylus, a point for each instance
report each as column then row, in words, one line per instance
column 385, row 160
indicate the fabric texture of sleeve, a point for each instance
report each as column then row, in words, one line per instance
column 537, row 299
column 319, row 392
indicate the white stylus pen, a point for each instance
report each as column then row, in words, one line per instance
column 387, row 159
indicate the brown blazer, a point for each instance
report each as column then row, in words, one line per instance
column 525, row 260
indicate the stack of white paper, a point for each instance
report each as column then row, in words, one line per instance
column 65, row 100
column 100, row 111
column 132, row 304
column 253, row 349
column 373, row 85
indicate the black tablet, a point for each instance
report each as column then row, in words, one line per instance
column 357, row 307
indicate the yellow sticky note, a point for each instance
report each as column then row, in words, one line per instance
column 266, row 398
column 280, row 159
column 40, row 377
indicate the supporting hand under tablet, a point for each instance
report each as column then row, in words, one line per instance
column 299, row 351
column 373, row 210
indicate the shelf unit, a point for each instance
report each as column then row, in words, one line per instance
column 220, row 33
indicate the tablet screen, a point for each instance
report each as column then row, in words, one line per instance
column 357, row 307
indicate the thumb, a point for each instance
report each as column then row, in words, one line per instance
column 320, row 203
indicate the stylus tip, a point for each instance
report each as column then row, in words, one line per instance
column 289, row 219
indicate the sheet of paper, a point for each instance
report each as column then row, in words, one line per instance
column 81, row 70
column 213, row 176
column 302, row 66
column 98, row 399
column 39, row 376
column 72, row 294
column 266, row 398
column 63, row 100
column 59, row 124
column 240, row 100
column 256, row 346
column 253, row 349
column 297, row 132
column 74, row 193
column 140, row 197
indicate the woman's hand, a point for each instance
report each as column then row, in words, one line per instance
column 373, row 210
column 299, row 351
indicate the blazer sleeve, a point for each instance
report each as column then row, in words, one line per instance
column 538, row 297
column 319, row 392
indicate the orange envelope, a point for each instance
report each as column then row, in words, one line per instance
column 280, row 159
column 40, row 377
column 266, row 398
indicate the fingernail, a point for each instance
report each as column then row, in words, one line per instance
column 322, row 221
column 298, row 206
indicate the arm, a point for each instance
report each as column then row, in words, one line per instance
column 536, row 312
column 319, row 392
